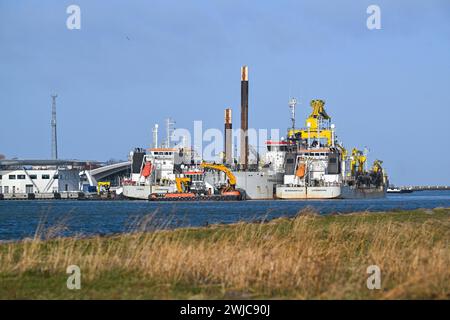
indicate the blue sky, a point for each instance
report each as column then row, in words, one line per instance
column 134, row 63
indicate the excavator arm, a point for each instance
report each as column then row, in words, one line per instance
column 180, row 181
column 222, row 168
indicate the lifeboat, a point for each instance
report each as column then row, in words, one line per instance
column 300, row 170
column 147, row 170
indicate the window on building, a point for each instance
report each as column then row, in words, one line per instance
column 21, row 176
column 12, row 177
column 0, row 177
column 6, row 189
column 45, row 176
column 55, row 176
column 33, row 176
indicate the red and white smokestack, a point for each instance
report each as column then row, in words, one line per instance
column 244, row 118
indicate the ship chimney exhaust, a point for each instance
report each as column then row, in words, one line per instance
column 155, row 136
column 244, row 117
column 228, row 157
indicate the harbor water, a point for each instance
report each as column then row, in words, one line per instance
column 22, row 219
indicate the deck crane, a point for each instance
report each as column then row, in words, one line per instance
column 358, row 161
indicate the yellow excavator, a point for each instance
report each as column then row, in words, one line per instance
column 102, row 187
column 230, row 189
column 183, row 192
column 182, row 183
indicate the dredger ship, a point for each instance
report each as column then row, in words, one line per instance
column 309, row 164
column 317, row 166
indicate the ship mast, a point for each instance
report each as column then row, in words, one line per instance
column 292, row 104
column 53, row 124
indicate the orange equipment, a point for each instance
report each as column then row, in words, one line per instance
column 147, row 170
column 300, row 170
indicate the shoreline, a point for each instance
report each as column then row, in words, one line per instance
column 308, row 256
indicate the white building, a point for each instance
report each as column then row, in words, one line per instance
column 38, row 176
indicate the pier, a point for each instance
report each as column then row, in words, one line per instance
column 424, row 188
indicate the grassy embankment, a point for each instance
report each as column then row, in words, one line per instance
column 306, row 257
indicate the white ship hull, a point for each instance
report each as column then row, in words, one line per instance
column 143, row 192
column 334, row 192
column 286, row 192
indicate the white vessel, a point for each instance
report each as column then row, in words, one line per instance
column 393, row 189
column 317, row 166
column 153, row 171
column 171, row 174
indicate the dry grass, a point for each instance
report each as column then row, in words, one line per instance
column 301, row 258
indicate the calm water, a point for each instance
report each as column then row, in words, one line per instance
column 20, row 219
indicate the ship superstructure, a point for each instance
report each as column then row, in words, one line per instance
column 156, row 171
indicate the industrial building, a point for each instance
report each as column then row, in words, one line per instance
column 39, row 177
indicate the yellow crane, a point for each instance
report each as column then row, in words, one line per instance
column 376, row 167
column 343, row 151
column 358, row 160
column 313, row 131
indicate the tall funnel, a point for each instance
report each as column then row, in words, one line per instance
column 228, row 158
column 244, row 117
column 155, row 136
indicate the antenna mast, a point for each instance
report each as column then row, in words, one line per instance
column 169, row 130
column 53, row 124
column 292, row 104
